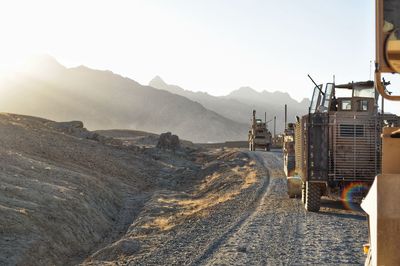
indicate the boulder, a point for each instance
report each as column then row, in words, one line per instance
column 167, row 141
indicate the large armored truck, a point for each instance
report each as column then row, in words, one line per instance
column 337, row 144
column 259, row 135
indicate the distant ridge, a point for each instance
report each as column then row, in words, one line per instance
column 104, row 100
column 238, row 105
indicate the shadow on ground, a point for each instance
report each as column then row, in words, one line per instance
column 338, row 208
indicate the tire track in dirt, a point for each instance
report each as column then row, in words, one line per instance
column 221, row 240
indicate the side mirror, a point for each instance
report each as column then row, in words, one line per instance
column 387, row 42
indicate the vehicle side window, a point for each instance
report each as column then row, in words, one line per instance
column 345, row 105
column 363, row 105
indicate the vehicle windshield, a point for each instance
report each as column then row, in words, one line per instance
column 343, row 93
column 364, row 92
column 316, row 98
column 327, row 96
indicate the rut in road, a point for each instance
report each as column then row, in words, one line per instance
column 280, row 231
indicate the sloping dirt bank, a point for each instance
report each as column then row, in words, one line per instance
column 68, row 196
column 60, row 194
column 180, row 227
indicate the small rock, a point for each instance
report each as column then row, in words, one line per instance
column 129, row 246
column 242, row 248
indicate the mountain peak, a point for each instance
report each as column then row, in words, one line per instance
column 157, row 79
column 243, row 92
column 246, row 89
column 41, row 65
column 158, row 82
column 43, row 60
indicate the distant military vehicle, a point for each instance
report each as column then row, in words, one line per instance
column 277, row 141
column 259, row 135
column 338, row 143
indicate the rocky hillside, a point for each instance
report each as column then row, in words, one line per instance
column 62, row 189
column 71, row 196
column 104, row 100
column 239, row 104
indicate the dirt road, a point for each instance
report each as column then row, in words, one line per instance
column 279, row 231
column 259, row 226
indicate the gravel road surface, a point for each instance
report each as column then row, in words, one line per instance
column 280, row 231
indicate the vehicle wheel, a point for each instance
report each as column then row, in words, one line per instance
column 268, row 147
column 303, row 193
column 313, row 197
column 291, row 195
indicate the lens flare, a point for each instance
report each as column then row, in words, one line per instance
column 349, row 193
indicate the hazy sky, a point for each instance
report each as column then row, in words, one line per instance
column 208, row 45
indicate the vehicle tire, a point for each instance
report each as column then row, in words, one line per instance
column 313, row 197
column 268, row 147
column 303, row 193
column 290, row 192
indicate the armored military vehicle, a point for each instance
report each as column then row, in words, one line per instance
column 259, row 135
column 337, row 144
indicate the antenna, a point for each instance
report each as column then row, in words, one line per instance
column 370, row 69
column 316, row 85
column 285, row 116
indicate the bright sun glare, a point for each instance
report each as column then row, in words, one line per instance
column 12, row 60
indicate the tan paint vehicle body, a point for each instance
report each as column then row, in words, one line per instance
column 259, row 135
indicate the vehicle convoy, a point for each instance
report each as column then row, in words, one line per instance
column 259, row 135
column 382, row 202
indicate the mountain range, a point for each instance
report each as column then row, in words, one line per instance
column 105, row 100
column 238, row 105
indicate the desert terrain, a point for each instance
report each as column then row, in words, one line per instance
column 70, row 196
